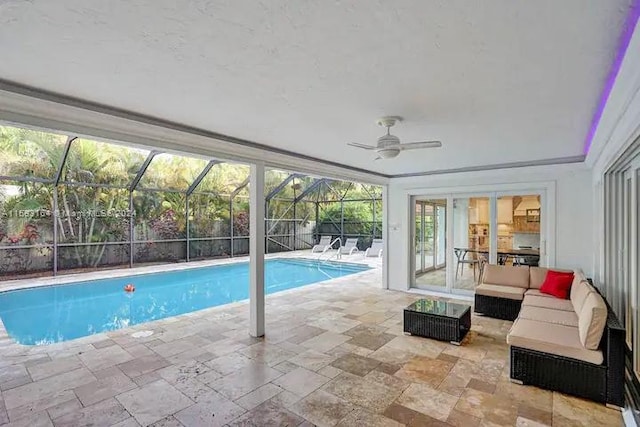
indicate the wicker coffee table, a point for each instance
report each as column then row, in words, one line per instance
column 440, row 320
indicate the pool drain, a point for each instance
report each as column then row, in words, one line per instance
column 142, row 334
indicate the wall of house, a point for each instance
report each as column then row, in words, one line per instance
column 571, row 208
column 619, row 126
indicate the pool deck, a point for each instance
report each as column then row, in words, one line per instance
column 8, row 285
column 334, row 354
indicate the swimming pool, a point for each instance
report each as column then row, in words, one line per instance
column 57, row 313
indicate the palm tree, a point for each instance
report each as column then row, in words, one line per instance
column 95, row 179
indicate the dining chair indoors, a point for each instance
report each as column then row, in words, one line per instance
column 461, row 256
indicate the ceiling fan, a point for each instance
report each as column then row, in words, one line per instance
column 389, row 146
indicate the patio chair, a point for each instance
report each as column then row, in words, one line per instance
column 483, row 259
column 375, row 250
column 322, row 246
column 526, row 260
column 349, row 247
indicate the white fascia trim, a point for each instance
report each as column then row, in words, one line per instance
column 56, row 116
column 490, row 178
column 620, row 121
column 475, row 190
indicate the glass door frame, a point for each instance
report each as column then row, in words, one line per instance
column 415, row 238
column 629, row 290
column 547, row 227
column 436, row 228
column 625, row 197
column 436, row 235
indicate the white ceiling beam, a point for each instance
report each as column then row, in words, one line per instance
column 31, row 107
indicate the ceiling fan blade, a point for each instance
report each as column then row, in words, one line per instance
column 421, row 144
column 366, row 147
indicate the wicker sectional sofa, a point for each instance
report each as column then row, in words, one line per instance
column 574, row 346
column 502, row 289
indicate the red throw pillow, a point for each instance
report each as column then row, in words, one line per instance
column 557, row 284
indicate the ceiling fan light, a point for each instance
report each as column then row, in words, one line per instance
column 389, row 153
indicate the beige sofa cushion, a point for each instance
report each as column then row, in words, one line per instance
column 506, row 275
column 537, row 293
column 580, row 289
column 592, row 320
column 538, row 274
column 546, row 302
column 551, row 338
column 549, row 315
column 499, row 291
column 578, row 276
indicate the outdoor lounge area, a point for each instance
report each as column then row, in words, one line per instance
column 296, row 213
column 345, row 362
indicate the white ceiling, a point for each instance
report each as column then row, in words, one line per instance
column 498, row 81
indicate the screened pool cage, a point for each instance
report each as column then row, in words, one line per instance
column 69, row 204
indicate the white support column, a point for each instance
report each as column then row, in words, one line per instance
column 256, row 251
column 493, row 229
column 385, row 236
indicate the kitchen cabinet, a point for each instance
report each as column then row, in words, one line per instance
column 505, row 210
column 505, row 242
column 479, row 211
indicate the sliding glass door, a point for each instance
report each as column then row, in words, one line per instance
column 627, row 258
column 440, row 252
column 498, row 227
column 622, row 249
column 425, row 239
column 472, row 238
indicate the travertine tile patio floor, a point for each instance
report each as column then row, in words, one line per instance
column 334, row 354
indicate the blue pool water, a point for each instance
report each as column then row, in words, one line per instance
column 58, row 313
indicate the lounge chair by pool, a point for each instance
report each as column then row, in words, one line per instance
column 323, row 246
column 349, row 247
column 375, row 250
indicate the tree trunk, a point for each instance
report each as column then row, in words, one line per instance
column 65, row 203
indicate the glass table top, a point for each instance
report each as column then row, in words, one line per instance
column 440, row 308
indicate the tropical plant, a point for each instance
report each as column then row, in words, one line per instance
column 241, row 224
column 165, row 225
column 92, row 193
